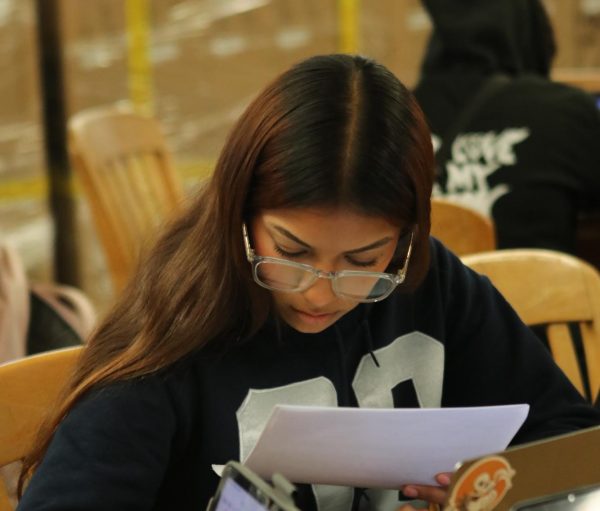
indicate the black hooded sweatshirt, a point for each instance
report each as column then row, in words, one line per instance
column 529, row 157
column 148, row 444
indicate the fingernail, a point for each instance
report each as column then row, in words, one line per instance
column 410, row 492
column 443, row 479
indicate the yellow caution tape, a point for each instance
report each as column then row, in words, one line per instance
column 30, row 188
column 36, row 187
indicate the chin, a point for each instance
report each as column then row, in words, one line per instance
column 306, row 324
column 308, row 329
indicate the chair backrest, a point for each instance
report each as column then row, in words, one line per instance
column 126, row 173
column 29, row 387
column 552, row 289
column 463, row 230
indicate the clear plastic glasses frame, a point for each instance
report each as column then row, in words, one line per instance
column 279, row 274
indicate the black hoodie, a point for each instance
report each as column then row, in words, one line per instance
column 529, row 157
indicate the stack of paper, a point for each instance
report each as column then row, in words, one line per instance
column 379, row 448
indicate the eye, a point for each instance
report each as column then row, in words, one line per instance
column 362, row 264
column 286, row 253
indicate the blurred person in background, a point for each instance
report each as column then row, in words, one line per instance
column 511, row 143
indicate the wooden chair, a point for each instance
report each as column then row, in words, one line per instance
column 463, row 230
column 124, row 166
column 28, row 388
column 552, row 289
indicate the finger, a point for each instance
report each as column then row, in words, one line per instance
column 443, row 478
column 433, row 494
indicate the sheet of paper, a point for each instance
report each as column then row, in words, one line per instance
column 378, row 448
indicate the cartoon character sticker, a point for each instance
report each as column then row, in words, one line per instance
column 482, row 486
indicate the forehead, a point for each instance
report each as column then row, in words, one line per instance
column 336, row 228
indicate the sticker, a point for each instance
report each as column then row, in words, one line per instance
column 482, row 486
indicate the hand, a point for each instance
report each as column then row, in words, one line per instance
column 432, row 494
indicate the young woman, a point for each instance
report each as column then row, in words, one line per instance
column 303, row 273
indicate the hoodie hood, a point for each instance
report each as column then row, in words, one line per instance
column 483, row 37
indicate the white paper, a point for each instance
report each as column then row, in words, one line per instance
column 378, row 448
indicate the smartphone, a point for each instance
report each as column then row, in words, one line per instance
column 241, row 489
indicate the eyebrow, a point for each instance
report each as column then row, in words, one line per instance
column 370, row 246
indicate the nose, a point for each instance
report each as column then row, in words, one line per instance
column 320, row 294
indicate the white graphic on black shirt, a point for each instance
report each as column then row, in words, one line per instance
column 474, row 158
column 415, row 356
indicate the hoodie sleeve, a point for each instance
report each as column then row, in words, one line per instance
column 492, row 358
column 110, row 452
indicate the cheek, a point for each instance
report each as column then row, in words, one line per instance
column 385, row 262
column 262, row 247
column 282, row 298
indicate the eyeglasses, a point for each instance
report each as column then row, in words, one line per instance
column 362, row 286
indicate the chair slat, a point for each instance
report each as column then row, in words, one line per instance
column 590, row 335
column 155, row 183
column 140, row 176
column 563, row 351
column 124, row 197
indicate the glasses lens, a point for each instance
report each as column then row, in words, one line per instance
column 364, row 287
column 283, row 277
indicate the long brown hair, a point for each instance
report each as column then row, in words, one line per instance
column 333, row 130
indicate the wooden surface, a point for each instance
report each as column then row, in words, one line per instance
column 463, row 230
column 587, row 79
column 28, row 388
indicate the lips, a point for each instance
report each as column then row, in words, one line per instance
column 314, row 320
column 314, row 314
